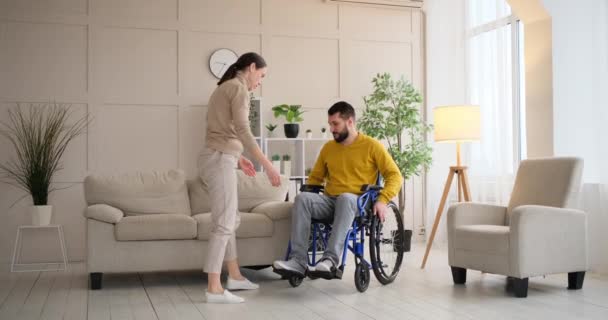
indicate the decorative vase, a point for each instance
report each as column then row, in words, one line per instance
column 286, row 168
column 277, row 165
column 270, row 134
column 308, row 135
column 291, row 130
column 41, row 215
column 324, row 135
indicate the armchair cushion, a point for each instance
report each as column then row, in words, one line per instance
column 104, row 213
column 488, row 239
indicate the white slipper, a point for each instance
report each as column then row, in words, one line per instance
column 225, row 297
column 241, row 284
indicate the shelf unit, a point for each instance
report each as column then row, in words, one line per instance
column 303, row 152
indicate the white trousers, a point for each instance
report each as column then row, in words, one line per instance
column 218, row 172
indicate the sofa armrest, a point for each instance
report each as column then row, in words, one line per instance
column 546, row 240
column 469, row 213
column 104, row 213
column 275, row 210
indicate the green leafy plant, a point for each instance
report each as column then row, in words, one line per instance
column 323, row 129
column 40, row 135
column 392, row 114
column 292, row 113
column 276, row 157
column 308, row 130
column 286, row 157
column 271, row 127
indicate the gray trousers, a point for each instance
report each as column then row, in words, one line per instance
column 308, row 206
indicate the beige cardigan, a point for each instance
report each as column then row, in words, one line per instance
column 228, row 128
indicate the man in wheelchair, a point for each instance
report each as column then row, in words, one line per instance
column 352, row 160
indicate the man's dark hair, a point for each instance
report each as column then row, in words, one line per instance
column 344, row 108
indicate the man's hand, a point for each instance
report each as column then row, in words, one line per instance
column 380, row 210
column 247, row 166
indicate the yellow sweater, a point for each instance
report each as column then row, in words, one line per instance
column 344, row 169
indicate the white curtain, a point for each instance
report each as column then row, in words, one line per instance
column 492, row 161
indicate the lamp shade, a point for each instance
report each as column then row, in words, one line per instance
column 457, row 123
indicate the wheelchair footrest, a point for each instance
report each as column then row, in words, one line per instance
column 335, row 273
column 286, row 274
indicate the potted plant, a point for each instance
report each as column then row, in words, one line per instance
column 271, row 128
column 392, row 114
column 276, row 162
column 308, row 134
column 286, row 165
column 323, row 133
column 293, row 115
column 40, row 135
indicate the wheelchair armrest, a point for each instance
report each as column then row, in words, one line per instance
column 369, row 187
column 311, row 188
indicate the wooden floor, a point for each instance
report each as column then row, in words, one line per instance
column 416, row 294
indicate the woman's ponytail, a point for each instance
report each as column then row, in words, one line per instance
column 242, row 63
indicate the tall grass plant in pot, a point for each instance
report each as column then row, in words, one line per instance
column 39, row 134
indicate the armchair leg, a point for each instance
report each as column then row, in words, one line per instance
column 96, row 280
column 575, row 280
column 459, row 275
column 520, row 287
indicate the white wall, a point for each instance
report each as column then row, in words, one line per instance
column 580, row 108
column 445, row 56
column 139, row 69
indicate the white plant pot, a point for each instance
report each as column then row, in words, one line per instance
column 286, row 168
column 41, row 215
column 270, row 134
column 324, row 135
column 308, row 135
column 277, row 165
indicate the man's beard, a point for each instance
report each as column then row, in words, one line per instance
column 341, row 136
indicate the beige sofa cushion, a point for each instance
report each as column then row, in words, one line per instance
column 253, row 225
column 275, row 210
column 104, row 213
column 156, row 227
column 252, row 191
column 140, row 193
column 488, row 239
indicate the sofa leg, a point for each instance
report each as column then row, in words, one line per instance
column 575, row 280
column 520, row 287
column 96, row 280
column 459, row 275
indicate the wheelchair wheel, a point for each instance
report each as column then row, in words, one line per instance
column 295, row 281
column 386, row 245
column 362, row 276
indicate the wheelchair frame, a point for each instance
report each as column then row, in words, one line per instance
column 356, row 236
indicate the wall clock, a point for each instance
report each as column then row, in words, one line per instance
column 220, row 60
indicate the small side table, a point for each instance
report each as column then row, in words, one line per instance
column 61, row 266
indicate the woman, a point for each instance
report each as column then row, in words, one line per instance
column 228, row 135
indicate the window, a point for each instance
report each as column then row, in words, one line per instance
column 494, row 82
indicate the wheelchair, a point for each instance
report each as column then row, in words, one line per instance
column 387, row 242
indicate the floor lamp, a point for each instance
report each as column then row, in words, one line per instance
column 454, row 124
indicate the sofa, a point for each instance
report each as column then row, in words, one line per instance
column 160, row 221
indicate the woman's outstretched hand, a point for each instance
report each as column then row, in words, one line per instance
column 273, row 175
column 247, row 166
